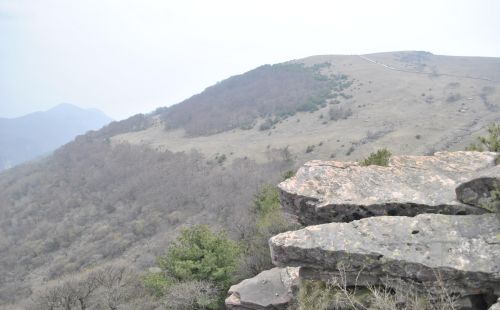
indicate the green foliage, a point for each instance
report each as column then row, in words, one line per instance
column 489, row 143
column 266, row 203
column 199, row 254
column 288, row 174
column 269, row 221
column 156, row 283
column 380, row 158
column 492, row 204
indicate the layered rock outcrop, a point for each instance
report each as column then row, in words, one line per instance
column 428, row 221
column 461, row 253
column 330, row 191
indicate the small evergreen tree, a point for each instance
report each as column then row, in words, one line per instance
column 380, row 158
column 198, row 254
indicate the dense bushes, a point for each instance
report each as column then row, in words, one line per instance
column 109, row 287
column 93, row 202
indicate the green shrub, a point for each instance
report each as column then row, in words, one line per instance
column 266, row 204
column 156, row 283
column 492, row 203
column 380, row 158
column 269, row 221
column 288, row 174
column 489, row 143
column 198, row 254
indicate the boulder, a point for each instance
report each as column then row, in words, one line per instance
column 270, row 289
column 482, row 192
column 331, row 191
column 430, row 251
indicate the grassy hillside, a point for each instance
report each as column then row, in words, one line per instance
column 410, row 102
column 123, row 192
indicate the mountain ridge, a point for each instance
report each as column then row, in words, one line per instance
column 123, row 192
column 36, row 134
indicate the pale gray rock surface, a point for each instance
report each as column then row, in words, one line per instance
column 495, row 306
column 461, row 253
column 270, row 289
column 331, row 191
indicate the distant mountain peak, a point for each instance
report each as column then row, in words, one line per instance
column 36, row 134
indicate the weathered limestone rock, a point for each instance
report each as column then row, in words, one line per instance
column 330, row 191
column 459, row 253
column 482, row 192
column 270, row 289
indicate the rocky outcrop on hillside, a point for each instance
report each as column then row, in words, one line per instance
column 330, row 191
column 427, row 221
column 461, row 253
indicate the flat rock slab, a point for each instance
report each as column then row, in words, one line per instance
column 331, row 191
column 270, row 289
column 460, row 253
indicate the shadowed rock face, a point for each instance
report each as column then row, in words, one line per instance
column 330, row 191
column 483, row 192
column 461, row 252
column 270, row 289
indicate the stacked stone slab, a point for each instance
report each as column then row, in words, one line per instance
column 426, row 220
column 459, row 253
column 330, row 191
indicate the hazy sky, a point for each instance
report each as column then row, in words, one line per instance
column 125, row 57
